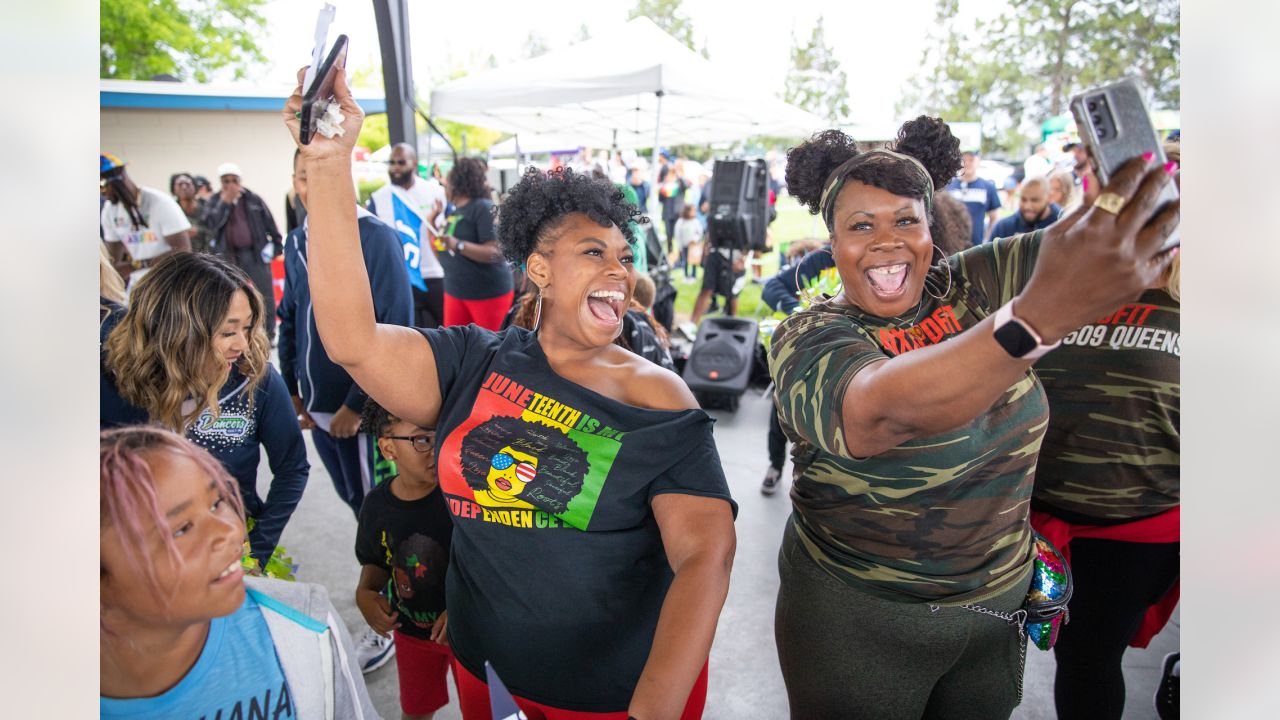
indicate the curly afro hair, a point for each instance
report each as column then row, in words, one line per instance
column 374, row 419
column 539, row 202
column 926, row 139
column 467, row 178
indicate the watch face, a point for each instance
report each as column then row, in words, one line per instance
column 1015, row 339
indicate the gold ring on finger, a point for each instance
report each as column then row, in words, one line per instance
column 1110, row 202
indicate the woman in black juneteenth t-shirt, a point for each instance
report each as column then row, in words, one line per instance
column 593, row 529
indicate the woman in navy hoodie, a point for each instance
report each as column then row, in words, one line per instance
column 190, row 355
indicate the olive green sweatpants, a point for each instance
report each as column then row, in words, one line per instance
column 850, row 655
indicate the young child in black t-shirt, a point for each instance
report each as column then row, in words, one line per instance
column 403, row 545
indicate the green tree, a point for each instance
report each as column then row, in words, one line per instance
column 1015, row 71
column 535, row 45
column 188, row 40
column 815, row 81
column 667, row 15
column 584, row 34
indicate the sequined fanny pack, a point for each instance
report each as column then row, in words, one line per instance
column 1046, row 603
column 1044, row 611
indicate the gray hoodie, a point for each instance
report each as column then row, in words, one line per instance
column 314, row 649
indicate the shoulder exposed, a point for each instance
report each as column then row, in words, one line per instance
column 657, row 388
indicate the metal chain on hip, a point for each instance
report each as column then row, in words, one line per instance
column 1017, row 619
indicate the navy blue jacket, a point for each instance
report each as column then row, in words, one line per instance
column 234, row 439
column 1015, row 224
column 308, row 372
column 782, row 294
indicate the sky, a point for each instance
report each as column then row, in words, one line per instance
column 878, row 43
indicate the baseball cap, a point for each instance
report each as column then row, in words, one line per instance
column 228, row 169
column 109, row 163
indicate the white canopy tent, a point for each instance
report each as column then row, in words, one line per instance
column 536, row 145
column 630, row 87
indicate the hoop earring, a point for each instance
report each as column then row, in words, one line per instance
column 945, row 266
column 537, row 312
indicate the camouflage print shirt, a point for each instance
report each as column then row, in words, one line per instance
column 1112, row 451
column 941, row 518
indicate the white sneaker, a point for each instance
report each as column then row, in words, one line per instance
column 772, row 479
column 373, row 651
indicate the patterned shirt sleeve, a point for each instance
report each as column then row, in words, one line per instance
column 813, row 357
column 1000, row 269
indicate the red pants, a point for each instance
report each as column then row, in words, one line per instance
column 473, row 699
column 487, row 313
column 423, row 668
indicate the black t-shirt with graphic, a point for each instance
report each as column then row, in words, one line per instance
column 410, row 540
column 557, row 571
column 465, row 278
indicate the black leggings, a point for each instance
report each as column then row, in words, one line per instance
column 848, row 655
column 1115, row 583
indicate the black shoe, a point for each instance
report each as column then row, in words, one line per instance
column 1166, row 700
column 772, row 479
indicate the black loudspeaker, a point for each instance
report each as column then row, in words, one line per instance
column 720, row 363
column 739, row 211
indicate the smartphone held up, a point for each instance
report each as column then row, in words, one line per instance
column 1115, row 124
column 320, row 112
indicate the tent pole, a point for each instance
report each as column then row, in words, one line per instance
column 657, row 134
column 430, row 135
column 519, row 157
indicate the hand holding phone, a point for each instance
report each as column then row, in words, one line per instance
column 318, row 100
column 1115, row 125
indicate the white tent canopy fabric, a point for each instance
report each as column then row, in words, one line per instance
column 620, row 89
column 536, row 145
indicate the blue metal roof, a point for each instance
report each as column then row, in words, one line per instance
column 163, row 101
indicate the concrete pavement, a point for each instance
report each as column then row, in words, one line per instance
column 745, row 682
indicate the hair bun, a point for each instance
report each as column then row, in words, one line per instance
column 810, row 163
column 929, row 140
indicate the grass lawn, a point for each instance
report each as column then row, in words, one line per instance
column 794, row 222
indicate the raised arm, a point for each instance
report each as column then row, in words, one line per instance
column 393, row 364
column 1088, row 265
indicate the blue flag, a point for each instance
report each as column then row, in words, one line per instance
column 500, row 701
column 408, row 222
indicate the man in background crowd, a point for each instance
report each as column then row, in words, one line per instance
column 671, row 190
column 183, row 188
column 641, row 188
column 978, row 195
column 143, row 222
column 242, row 230
column 405, row 203
column 1034, row 210
column 1039, row 164
column 1079, row 157
column 204, row 191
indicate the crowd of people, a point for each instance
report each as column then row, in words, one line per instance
column 970, row 393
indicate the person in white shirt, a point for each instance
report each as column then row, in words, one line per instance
column 688, row 236
column 145, row 222
column 1039, row 164
column 405, row 203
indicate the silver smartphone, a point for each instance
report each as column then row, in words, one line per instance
column 1115, row 124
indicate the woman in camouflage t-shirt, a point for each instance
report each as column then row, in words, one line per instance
column 1108, row 489
column 917, row 421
